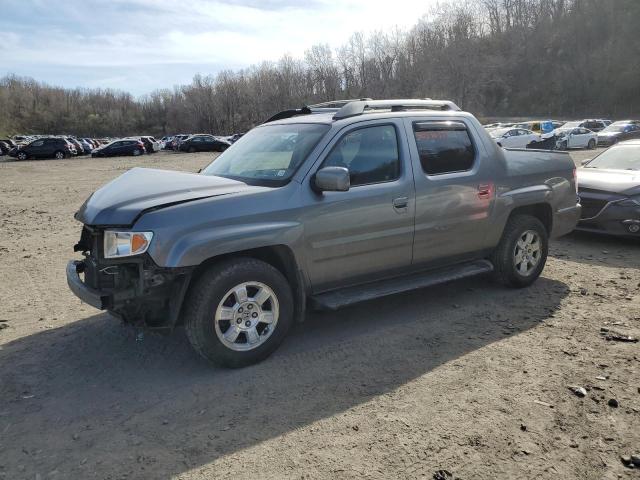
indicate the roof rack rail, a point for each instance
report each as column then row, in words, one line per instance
column 359, row 107
column 337, row 104
column 288, row 114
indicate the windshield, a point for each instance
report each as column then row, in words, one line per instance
column 268, row 155
column 622, row 157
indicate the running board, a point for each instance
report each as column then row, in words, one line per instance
column 360, row 293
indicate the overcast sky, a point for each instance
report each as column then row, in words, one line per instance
column 141, row 45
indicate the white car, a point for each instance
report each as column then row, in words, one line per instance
column 514, row 137
column 578, row 137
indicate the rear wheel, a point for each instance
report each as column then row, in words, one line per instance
column 137, row 152
column 59, row 155
column 22, row 156
column 238, row 312
column 522, row 252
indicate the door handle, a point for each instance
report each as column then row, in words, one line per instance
column 401, row 202
column 485, row 191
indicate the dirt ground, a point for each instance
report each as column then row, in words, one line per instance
column 469, row 377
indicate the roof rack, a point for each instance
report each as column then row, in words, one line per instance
column 352, row 109
column 337, row 104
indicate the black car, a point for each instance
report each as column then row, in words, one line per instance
column 609, row 189
column 48, row 147
column 204, row 143
column 119, row 148
column 618, row 132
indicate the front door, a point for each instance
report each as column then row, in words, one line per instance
column 366, row 233
column 454, row 192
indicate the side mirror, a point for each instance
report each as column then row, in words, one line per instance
column 331, row 179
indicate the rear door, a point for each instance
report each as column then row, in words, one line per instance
column 366, row 233
column 454, row 193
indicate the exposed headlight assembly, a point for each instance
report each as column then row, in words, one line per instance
column 125, row 244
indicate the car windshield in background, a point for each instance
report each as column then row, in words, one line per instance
column 268, row 155
column 571, row 125
column 622, row 157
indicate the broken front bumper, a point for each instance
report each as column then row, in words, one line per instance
column 137, row 293
column 82, row 291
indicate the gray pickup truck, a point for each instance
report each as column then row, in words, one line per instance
column 321, row 207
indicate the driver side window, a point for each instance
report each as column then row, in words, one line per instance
column 370, row 154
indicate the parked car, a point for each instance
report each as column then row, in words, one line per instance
column 575, row 137
column 47, row 147
column 593, row 125
column 320, row 209
column 175, row 143
column 617, row 132
column 151, row 145
column 6, row 145
column 514, row 137
column 165, row 143
column 87, row 146
column 609, row 189
column 119, row 148
column 78, row 146
column 204, row 143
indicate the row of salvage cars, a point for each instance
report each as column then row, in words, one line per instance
column 552, row 135
column 609, row 190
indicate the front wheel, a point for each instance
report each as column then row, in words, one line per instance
column 522, row 252
column 22, row 156
column 592, row 144
column 137, row 152
column 238, row 312
column 59, row 155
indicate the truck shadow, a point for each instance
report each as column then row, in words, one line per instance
column 595, row 249
column 87, row 399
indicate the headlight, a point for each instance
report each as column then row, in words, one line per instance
column 630, row 202
column 125, row 244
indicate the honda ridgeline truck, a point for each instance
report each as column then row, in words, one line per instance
column 319, row 207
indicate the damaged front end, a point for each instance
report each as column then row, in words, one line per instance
column 133, row 288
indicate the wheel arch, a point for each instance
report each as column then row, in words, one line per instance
column 542, row 211
column 281, row 257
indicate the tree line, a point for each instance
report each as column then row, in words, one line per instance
column 545, row 58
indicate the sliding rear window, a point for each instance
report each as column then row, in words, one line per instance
column 444, row 147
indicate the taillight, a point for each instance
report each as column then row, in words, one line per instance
column 140, row 144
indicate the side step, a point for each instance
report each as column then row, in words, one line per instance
column 360, row 293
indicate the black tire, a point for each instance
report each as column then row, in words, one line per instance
column 210, row 289
column 22, row 156
column 59, row 155
column 503, row 258
column 592, row 144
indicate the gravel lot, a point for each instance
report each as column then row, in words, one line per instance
column 468, row 377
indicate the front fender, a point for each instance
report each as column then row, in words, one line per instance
column 195, row 247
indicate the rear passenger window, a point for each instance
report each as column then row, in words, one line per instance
column 370, row 154
column 444, row 147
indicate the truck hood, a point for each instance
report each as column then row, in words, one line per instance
column 625, row 182
column 121, row 201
